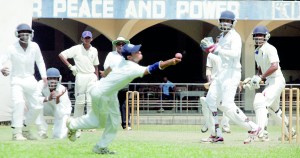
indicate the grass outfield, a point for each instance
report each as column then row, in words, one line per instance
column 151, row 141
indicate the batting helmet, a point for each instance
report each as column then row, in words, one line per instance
column 53, row 72
column 24, row 32
column 225, row 26
column 260, row 30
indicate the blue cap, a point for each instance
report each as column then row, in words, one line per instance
column 128, row 49
column 86, row 34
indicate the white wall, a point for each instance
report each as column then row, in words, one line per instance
column 13, row 12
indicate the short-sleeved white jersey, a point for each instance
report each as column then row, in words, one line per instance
column 266, row 55
column 85, row 60
column 112, row 59
column 64, row 107
column 213, row 61
column 121, row 75
column 23, row 61
column 230, row 47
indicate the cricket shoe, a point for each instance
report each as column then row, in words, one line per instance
column 43, row 136
column 103, row 151
column 218, row 140
column 252, row 135
column 226, row 129
column 71, row 132
column 286, row 136
column 29, row 135
column 18, row 137
column 264, row 137
column 204, row 129
column 208, row 140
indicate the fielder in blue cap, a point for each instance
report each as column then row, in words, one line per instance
column 105, row 110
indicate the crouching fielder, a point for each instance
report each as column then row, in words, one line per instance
column 105, row 110
column 56, row 103
column 268, row 100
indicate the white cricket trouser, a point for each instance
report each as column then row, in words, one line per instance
column 25, row 89
column 105, row 113
column 225, row 87
column 82, row 83
column 271, row 99
column 60, row 118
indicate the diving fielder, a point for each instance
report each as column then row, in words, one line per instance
column 103, row 113
column 23, row 54
column 85, row 71
column 56, row 102
column 224, row 87
column 268, row 100
column 112, row 60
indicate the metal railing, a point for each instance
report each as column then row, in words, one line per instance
column 185, row 98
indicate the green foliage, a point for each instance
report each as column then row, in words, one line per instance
column 150, row 141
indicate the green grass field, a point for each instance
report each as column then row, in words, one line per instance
column 151, row 141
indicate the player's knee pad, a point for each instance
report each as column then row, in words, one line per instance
column 259, row 101
column 80, row 99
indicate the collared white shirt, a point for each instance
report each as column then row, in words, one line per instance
column 266, row 55
column 23, row 61
column 85, row 60
column 230, row 50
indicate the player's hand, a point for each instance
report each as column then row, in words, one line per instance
column 59, row 95
column 5, row 71
column 102, row 74
column 255, row 80
column 246, row 84
column 73, row 69
column 175, row 61
column 206, row 85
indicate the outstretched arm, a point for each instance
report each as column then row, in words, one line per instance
column 161, row 65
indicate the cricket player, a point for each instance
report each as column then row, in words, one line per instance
column 56, row 102
column 105, row 113
column 225, row 85
column 85, row 71
column 213, row 63
column 112, row 60
column 268, row 100
column 23, row 55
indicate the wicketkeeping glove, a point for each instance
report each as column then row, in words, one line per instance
column 207, row 44
column 255, row 80
column 73, row 69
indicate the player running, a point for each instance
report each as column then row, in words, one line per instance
column 224, row 87
column 268, row 100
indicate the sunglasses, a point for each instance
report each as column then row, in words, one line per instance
column 87, row 38
column 120, row 44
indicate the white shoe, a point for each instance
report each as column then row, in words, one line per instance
column 252, row 135
column 43, row 136
column 18, row 137
column 226, row 129
column 71, row 132
column 129, row 128
column 29, row 135
column 207, row 140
